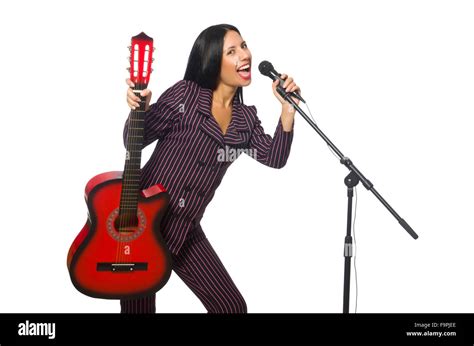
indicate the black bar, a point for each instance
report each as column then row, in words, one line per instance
column 121, row 267
column 250, row 329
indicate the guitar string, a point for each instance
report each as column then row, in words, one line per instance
column 129, row 189
column 122, row 210
column 121, row 214
column 130, row 220
column 137, row 132
column 124, row 214
column 127, row 184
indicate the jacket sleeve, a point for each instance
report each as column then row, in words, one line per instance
column 272, row 152
column 160, row 117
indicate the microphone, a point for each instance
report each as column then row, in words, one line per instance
column 266, row 68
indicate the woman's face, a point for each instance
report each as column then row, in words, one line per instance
column 236, row 61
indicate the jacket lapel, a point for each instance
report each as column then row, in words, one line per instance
column 238, row 133
column 208, row 125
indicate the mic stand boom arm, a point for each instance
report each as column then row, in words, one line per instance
column 349, row 164
column 350, row 181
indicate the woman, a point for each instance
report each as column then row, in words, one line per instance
column 196, row 121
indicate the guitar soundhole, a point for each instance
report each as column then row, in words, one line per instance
column 125, row 229
column 126, row 224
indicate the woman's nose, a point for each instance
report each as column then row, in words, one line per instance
column 244, row 54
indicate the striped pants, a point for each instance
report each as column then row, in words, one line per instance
column 198, row 265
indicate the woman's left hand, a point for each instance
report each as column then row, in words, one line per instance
column 287, row 109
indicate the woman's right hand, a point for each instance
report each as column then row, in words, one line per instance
column 133, row 100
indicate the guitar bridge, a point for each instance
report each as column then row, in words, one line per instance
column 121, row 267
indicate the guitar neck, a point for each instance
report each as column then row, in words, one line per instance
column 141, row 57
column 132, row 170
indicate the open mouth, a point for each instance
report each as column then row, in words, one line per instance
column 244, row 71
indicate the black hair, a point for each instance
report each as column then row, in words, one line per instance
column 205, row 59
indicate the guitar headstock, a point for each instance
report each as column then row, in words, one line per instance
column 141, row 57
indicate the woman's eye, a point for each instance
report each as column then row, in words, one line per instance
column 244, row 45
column 230, row 52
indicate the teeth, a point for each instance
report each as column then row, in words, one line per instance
column 244, row 67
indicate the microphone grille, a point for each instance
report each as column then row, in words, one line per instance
column 265, row 67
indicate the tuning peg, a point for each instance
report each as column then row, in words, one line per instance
column 152, row 59
column 129, row 48
column 128, row 69
column 154, row 48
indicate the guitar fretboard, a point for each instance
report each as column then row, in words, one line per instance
column 132, row 171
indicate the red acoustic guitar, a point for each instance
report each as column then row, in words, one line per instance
column 120, row 252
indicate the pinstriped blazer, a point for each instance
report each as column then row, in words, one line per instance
column 192, row 154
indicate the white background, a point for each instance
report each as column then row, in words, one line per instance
column 390, row 82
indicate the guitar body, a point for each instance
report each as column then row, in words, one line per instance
column 107, row 260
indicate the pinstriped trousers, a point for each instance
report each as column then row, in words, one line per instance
column 198, row 265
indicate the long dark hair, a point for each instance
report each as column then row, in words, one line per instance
column 205, row 59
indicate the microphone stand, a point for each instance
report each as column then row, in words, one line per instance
column 355, row 176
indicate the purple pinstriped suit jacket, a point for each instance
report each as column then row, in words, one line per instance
column 189, row 158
